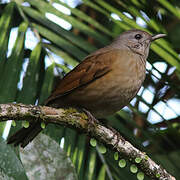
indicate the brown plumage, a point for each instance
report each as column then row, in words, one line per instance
column 103, row 83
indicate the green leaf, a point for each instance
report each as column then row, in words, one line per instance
column 87, row 18
column 10, row 165
column 5, row 27
column 48, row 83
column 66, row 57
column 133, row 168
column 140, row 175
column 138, row 160
column 13, row 123
column 174, row 61
column 64, row 44
column 102, row 149
column 45, row 7
column 25, row 124
column 55, row 132
column 174, row 10
column 77, row 40
column 122, row 163
column 80, row 159
column 43, row 125
column 86, row 35
column 70, row 136
column 158, row 175
column 124, row 18
column 29, row 91
column 102, row 173
column 93, row 142
column 90, row 168
column 116, row 156
column 13, row 67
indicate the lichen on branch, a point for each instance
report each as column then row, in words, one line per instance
column 79, row 120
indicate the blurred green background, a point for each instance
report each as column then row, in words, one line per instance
column 41, row 40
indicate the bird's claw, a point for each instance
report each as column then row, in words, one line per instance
column 119, row 137
column 91, row 120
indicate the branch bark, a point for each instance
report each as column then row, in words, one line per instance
column 72, row 118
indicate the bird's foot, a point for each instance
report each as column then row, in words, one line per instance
column 91, row 120
column 119, row 137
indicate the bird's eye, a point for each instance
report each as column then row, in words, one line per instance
column 138, row 36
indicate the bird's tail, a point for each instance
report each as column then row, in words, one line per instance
column 25, row 135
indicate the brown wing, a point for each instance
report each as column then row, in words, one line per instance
column 93, row 67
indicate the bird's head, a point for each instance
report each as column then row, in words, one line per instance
column 136, row 40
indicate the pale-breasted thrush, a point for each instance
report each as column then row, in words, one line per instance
column 103, row 83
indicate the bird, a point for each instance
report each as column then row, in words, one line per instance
column 103, row 83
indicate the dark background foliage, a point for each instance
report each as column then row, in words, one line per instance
column 35, row 51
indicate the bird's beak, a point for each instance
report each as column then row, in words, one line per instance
column 157, row 36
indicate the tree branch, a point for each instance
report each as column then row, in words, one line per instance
column 72, row 118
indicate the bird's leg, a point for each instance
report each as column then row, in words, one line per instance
column 91, row 120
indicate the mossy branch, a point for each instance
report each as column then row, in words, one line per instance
column 72, row 118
